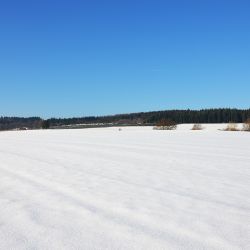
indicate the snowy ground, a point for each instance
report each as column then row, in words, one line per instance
column 132, row 189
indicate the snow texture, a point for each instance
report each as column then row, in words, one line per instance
column 134, row 188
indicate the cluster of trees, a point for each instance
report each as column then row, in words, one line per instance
column 8, row 123
column 200, row 116
column 222, row 115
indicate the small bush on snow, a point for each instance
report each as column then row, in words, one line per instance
column 166, row 124
column 246, row 125
column 197, row 127
column 231, row 127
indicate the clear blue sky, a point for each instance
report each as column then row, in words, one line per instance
column 89, row 57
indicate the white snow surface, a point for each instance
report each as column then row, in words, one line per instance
column 137, row 188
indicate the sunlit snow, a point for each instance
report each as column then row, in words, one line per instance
column 137, row 188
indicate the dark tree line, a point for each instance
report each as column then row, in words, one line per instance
column 151, row 118
column 8, row 123
column 222, row 115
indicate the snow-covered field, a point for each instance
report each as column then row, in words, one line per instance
column 132, row 189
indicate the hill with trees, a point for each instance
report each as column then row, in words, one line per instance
column 220, row 115
column 151, row 118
